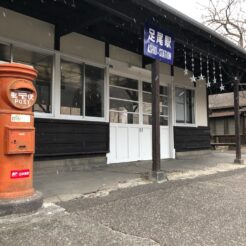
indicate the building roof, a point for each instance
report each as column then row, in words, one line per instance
column 218, row 114
column 199, row 25
column 121, row 23
column 226, row 100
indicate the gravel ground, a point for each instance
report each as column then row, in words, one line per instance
column 208, row 210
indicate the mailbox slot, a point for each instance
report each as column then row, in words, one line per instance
column 19, row 141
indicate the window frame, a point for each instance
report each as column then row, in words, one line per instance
column 118, row 99
column 140, row 78
column 167, row 116
column 175, row 123
column 83, row 62
column 56, row 82
column 33, row 48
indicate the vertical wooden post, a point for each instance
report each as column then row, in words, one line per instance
column 238, row 159
column 156, row 166
column 157, row 174
column 57, row 38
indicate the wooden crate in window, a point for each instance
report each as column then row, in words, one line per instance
column 75, row 111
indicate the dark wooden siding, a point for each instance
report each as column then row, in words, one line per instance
column 191, row 138
column 66, row 137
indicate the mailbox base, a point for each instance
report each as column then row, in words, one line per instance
column 21, row 205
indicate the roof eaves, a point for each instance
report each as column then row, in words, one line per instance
column 195, row 23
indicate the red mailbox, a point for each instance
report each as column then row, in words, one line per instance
column 17, row 134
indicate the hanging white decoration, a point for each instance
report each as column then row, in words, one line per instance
column 222, row 87
column 201, row 77
column 214, row 72
column 185, row 63
column 208, row 77
column 192, row 78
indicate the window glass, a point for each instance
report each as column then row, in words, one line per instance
column 147, row 104
column 71, row 88
column 147, row 108
column 94, row 91
column 118, row 105
column 124, row 105
column 184, row 106
column 164, row 100
column 147, row 120
column 147, row 97
column 116, row 80
column 163, row 121
column 123, row 94
column 163, row 90
column 5, row 53
column 180, row 105
column 147, row 87
column 190, row 106
column 164, row 111
column 44, row 65
column 123, row 117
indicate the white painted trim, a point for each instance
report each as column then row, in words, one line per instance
column 56, row 80
column 107, row 104
column 171, row 120
column 123, row 74
column 56, row 89
column 174, row 108
column 81, row 117
column 123, row 88
column 24, row 45
column 43, row 115
column 81, row 60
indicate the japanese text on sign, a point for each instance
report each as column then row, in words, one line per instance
column 16, row 174
column 22, row 97
column 158, row 45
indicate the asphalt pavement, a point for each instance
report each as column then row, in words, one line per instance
column 209, row 210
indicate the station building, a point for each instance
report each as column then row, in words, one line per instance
column 94, row 83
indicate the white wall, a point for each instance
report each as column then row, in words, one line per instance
column 26, row 29
column 84, row 47
column 200, row 94
column 122, row 55
column 201, row 104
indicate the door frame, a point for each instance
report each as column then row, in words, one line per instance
column 165, row 80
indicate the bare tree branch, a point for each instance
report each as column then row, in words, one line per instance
column 227, row 17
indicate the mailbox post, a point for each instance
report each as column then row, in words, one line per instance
column 17, row 136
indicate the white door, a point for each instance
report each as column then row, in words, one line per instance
column 146, row 143
column 130, row 120
column 124, row 143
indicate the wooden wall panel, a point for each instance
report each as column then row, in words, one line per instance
column 66, row 137
column 191, row 138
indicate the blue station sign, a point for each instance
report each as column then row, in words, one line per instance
column 158, row 44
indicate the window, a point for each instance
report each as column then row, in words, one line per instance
column 72, row 75
column 184, row 106
column 94, row 91
column 82, row 89
column 44, row 65
column 147, row 104
column 124, row 105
